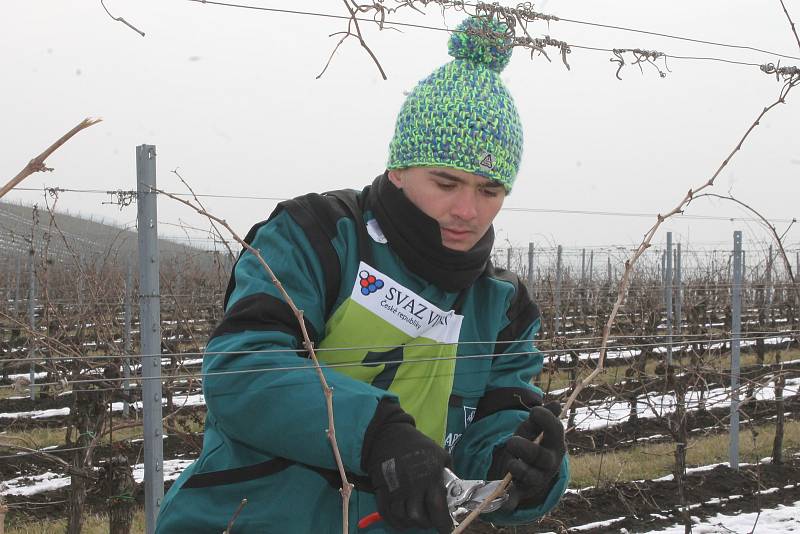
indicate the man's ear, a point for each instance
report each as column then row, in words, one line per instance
column 395, row 176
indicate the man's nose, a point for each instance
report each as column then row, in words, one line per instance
column 465, row 204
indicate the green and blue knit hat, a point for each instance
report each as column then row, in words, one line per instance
column 462, row 116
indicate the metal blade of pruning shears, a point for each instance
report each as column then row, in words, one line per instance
column 469, row 494
column 463, row 496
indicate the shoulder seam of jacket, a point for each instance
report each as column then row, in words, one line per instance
column 261, row 312
column 522, row 312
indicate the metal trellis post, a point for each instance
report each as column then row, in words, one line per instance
column 126, row 363
column 679, row 291
column 150, row 331
column 797, row 280
column 530, row 268
column 583, row 266
column 17, row 291
column 81, row 276
column 32, row 318
column 746, row 293
column 736, row 324
column 769, row 279
column 558, row 292
column 668, row 295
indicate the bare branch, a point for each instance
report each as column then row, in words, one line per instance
column 347, row 488
column 37, row 163
column 361, row 40
column 43, row 455
column 623, row 287
column 771, row 227
column 120, row 19
column 791, row 23
column 214, row 226
column 353, row 22
column 235, row 516
column 333, row 52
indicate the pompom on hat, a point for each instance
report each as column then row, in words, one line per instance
column 462, row 116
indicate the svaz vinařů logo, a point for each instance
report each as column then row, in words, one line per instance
column 369, row 284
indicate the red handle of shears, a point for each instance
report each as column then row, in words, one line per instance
column 369, row 520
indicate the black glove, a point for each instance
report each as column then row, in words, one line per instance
column 406, row 469
column 534, row 467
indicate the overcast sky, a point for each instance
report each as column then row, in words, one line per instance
column 230, row 97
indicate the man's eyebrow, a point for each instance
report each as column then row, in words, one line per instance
column 454, row 178
column 447, row 176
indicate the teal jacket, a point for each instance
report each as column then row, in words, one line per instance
column 460, row 363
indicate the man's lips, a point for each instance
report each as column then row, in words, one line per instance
column 453, row 233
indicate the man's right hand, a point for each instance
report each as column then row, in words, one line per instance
column 406, row 469
column 533, row 466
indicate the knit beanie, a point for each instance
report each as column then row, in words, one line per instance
column 462, row 116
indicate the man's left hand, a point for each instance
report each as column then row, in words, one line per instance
column 533, row 466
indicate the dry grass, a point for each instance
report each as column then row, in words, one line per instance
column 644, row 462
column 612, row 375
column 36, row 438
column 6, row 392
column 647, row 462
column 46, row 437
column 93, row 524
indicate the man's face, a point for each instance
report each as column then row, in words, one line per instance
column 464, row 204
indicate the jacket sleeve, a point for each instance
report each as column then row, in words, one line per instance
column 260, row 387
column 508, row 399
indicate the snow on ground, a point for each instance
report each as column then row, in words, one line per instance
column 609, row 412
column 772, row 520
column 34, row 484
column 172, row 469
column 30, row 485
column 606, row 413
column 36, row 414
column 615, row 354
column 37, row 376
column 177, row 400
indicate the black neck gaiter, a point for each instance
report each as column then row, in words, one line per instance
column 417, row 239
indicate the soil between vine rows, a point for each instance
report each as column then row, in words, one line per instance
column 643, row 505
column 647, row 505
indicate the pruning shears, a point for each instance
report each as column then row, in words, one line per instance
column 463, row 496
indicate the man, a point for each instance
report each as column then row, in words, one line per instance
column 427, row 347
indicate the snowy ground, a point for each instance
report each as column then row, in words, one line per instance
column 770, row 520
column 597, row 415
column 610, row 412
column 606, row 413
column 49, row 481
column 615, row 354
column 177, row 400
